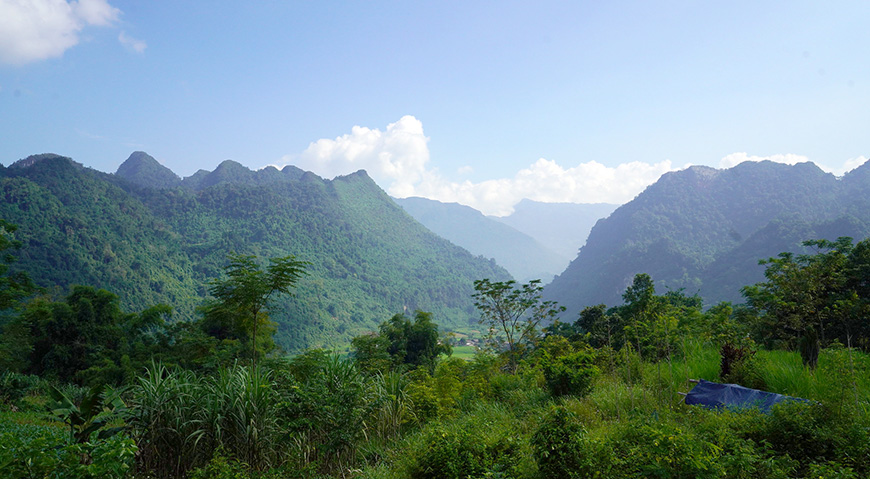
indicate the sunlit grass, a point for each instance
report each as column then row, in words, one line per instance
column 464, row 352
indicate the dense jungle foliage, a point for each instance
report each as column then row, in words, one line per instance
column 704, row 230
column 597, row 397
column 151, row 238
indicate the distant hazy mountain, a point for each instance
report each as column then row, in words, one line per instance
column 705, row 229
column 150, row 237
column 561, row 227
column 523, row 256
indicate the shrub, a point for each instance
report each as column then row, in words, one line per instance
column 571, row 374
column 740, row 365
column 47, row 455
column 453, row 452
column 663, row 449
column 557, row 445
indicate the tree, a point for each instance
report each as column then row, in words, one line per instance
column 241, row 297
column 401, row 343
column 811, row 298
column 512, row 314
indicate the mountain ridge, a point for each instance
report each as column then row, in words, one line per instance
column 149, row 244
column 678, row 228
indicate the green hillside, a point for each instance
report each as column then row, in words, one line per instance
column 705, row 229
column 519, row 253
column 151, row 241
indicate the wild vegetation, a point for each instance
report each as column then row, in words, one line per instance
column 705, row 229
column 151, row 238
column 597, row 397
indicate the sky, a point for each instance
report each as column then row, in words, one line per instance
column 478, row 102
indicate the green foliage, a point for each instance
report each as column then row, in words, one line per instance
column 511, row 315
column 162, row 245
column 571, row 373
column 558, row 447
column 180, row 419
column 221, row 467
column 740, row 365
column 44, row 456
column 811, row 300
column 324, row 407
column 90, row 416
column 14, row 286
column 813, row 434
column 87, row 338
column 480, row 448
column 241, row 298
column 401, row 344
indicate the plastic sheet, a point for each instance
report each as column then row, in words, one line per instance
column 733, row 396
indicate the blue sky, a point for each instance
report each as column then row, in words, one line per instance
column 479, row 102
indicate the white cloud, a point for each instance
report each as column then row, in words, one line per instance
column 396, row 157
column 137, row 46
column 850, row 165
column 398, row 160
column 32, row 30
column 547, row 181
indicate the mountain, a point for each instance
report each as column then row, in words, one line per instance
column 705, row 230
column 142, row 169
column 523, row 256
column 150, row 242
column 561, row 227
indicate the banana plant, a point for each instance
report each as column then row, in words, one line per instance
column 93, row 413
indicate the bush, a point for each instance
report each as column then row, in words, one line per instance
column 557, row 446
column 814, row 433
column 663, row 449
column 740, row 365
column 566, row 368
column 47, row 455
column 454, row 452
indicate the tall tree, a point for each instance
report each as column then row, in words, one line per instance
column 512, row 314
column 401, row 343
column 808, row 298
column 241, row 298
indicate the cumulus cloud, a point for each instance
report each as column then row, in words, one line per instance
column 396, row 156
column 547, row 181
column 397, row 159
column 35, row 30
column 137, row 46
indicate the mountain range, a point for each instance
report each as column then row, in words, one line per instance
column 152, row 237
column 537, row 241
column 704, row 230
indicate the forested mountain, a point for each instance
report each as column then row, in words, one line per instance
column 561, row 227
column 149, row 238
column 705, row 230
column 523, row 256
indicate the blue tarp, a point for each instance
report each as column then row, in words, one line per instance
column 732, row 396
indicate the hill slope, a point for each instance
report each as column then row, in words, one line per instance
column 704, row 230
column 523, row 256
column 150, row 242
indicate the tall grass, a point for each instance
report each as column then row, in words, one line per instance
column 180, row 419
